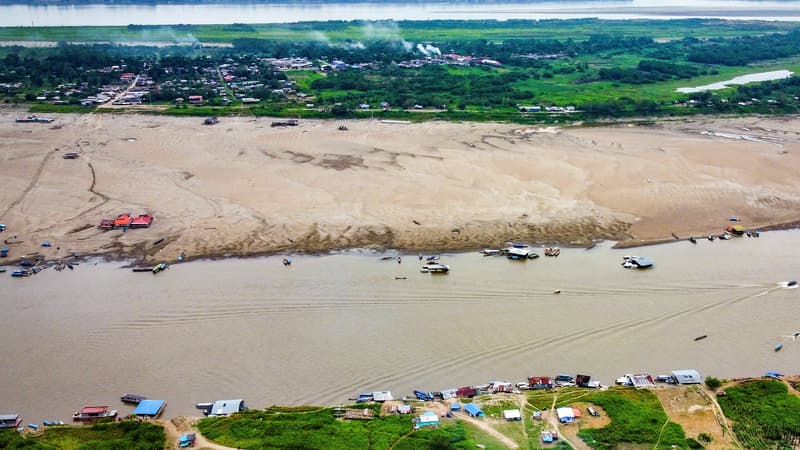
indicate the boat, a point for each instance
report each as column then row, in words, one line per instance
column 10, row 420
column 776, row 375
column 433, row 258
column 132, row 398
column 521, row 253
column 700, row 338
column 435, row 268
column 34, row 119
column 725, row 236
column 490, row 252
column 94, row 413
column 123, row 220
column 287, row 261
column 160, row 267
column 692, row 240
column 142, row 221
column 21, row 273
column 636, row 262
column 552, row 251
column 789, row 284
column 778, row 347
column 424, row 396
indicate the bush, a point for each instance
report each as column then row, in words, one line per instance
column 713, row 383
column 705, row 437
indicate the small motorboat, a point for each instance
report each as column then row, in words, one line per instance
column 490, row 252
column 433, row 258
column 160, row 267
column 132, row 398
column 725, row 236
column 287, row 261
column 778, row 347
column 435, row 268
column 21, row 273
column 791, row 284
column 692, row 240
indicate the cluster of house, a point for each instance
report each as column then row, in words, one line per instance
column 450, row 59
column 451, row 397
column 550, row 109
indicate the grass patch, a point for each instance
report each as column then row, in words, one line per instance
column 126, row 434
column 765, row 415
column 637, row 417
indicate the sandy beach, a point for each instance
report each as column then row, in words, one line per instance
column 243, row 187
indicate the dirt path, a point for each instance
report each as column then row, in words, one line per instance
column 488, row 429
column 723, row 421
column 110, row 103
column 173, row 433
column 552, row 418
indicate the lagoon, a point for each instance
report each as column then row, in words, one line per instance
column 744, row 79
column 331, row 326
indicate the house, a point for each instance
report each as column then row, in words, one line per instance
column 427, row 419
column 226, row 407
column 149, row 408
column 473, row 410
column 540, row 383
column 195, row 99
column 363, row 106
column 565, row 414
column 687, row 376
column 530, row 109
column 512, row 415
column 405, row 409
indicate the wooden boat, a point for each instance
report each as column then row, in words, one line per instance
column 88, row 413
column 132, row 398
column 160, row 267
column 699, row 338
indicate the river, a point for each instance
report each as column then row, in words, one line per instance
column 331, row 326
column 84, row 15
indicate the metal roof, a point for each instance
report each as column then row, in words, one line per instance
column 8, row 417
column 473, row 409
column 512, row 414
column 382, row 396
column 565, row 412
column 687, row 376
column 225, row 407
column 93, row 409
column 149, row 408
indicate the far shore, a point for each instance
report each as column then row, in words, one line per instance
column 244, row 188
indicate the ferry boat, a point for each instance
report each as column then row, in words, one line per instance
column 88, row 413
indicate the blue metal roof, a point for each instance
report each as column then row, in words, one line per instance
column 473, row 409
column 149, row 408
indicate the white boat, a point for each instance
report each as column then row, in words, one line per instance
column 435, row 268
column 490, row 252
column 521, row 253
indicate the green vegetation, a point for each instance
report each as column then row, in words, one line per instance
column 102, row 436
column 765, row 415
column 317, row 428
column 583, row 69
column 637, row 417
column 713, row 383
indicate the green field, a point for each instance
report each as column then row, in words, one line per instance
column 765, row 414
column 637, row 418
column 425, row 31
column 102, row 436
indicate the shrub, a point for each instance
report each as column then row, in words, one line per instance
column 713, row 383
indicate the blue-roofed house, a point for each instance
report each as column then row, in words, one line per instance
column 149, row 408
column 473, row 410
column 455, row 406
column 226, row 407
column 427, row 419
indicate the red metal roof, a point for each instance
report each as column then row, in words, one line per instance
column 94, row 409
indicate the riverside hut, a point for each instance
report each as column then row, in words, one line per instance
column 427, row 419
column 226, row 407
column 687, row 376
column 473, row 410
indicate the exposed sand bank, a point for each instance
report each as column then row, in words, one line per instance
column 243, row 187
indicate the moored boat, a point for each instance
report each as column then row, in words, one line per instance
column 21, row 273
column 88, row 413
column 132, row 398
column 10, row 420
column 521, row 253
column 160, row 267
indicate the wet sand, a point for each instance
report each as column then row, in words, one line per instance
column 242, row 187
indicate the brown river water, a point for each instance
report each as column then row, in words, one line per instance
column 331, row 326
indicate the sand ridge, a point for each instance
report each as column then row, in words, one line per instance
column 243, row 187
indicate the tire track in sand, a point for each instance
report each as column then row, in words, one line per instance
column 31, row 185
